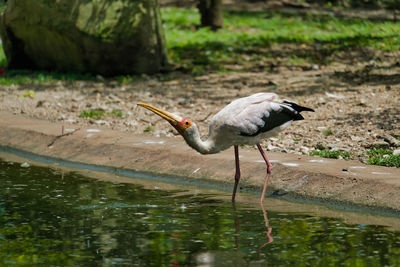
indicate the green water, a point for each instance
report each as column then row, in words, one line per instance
column 68, row 220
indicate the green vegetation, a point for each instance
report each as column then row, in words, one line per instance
column 362, row 3
column 99, row 113
column 149, row 129
column 247, row 37
column 327, row 132
column 28, row 93
column 93, row 113
column 117, row 113
column 248, row 41
column 383, row 157
column 379, row 152
column 334, row 154
column 10, row 77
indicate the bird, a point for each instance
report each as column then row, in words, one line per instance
column 244, row 121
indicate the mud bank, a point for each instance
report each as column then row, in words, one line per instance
column 348, row 183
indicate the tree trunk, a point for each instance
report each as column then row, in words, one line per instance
column 211, row 13
column 107, row 37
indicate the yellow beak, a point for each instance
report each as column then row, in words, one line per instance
column 171, row 118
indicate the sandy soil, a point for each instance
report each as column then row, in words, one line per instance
column 357, row 100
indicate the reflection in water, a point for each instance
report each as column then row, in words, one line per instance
column 270, row 239
column 53, row 218
column 269, row 229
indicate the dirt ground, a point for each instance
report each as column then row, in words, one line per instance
column 357, row 101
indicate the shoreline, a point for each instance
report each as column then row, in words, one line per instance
column 349, row 184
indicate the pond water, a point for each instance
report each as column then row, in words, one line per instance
column 52, row 218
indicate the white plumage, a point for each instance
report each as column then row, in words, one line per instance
column 244, row 115
column 246, row 120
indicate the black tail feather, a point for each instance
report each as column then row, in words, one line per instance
column 296, row 107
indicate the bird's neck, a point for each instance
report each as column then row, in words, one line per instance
column 192, row 138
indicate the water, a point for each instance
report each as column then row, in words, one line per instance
column 52, row 218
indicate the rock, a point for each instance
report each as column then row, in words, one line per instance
column 101, row 122
column 304, row 150
column 379, row 144
column 396, row 152
column 271, row 147
column 356, row 138
column 391, row 140
column 131, row 123
column 334, row 147
column 335, row 96
column 321, row 101
column 315, row 67
column 103, row 37
column 25, row 165
column 320, row 146
column 362, row 102
column 114, row 98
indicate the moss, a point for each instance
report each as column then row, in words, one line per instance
column 108, row 22
column 85, row 36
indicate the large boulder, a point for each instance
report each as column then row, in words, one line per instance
column 108, row 37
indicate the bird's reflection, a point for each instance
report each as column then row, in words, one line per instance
column 269, row 237
column 269, row 229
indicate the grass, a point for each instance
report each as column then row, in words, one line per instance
column 334, row 154
column 28, row 77
column 383, row 157
column 327, row 132
column 28, row 93
column 93, row 113
column 246, row 37
column 98, row 114
column 246, row 41
column 117, row 113
column 149, row 129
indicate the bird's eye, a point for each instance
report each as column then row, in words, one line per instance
column 186, row 122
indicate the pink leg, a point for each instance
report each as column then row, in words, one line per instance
column 237, row 174
column 269, row 168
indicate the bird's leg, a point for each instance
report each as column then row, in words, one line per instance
column 237, row 174
column 269, row 168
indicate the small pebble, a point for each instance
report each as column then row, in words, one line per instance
column 25, row 165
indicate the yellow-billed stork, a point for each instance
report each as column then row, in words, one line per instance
column 246, row 120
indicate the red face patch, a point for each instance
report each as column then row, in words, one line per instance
column 183, row 125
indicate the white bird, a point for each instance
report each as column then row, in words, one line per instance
column 246, row 120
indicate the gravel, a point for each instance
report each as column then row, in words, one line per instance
column 354, row 112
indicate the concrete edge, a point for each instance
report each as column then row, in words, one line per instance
column 170, row 157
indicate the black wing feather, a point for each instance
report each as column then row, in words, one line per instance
column 290, row 111
column 296, row 107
